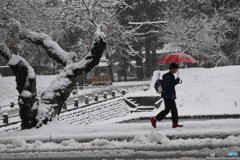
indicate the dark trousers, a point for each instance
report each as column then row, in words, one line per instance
column 170, row 105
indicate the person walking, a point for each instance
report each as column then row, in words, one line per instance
column 169, row 96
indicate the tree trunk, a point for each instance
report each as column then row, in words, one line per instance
column 26, row 86
column 33, row 112
column 154, row 57
column 139, row 63
column 148, row 65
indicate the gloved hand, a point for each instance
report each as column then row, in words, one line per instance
column 177, row 80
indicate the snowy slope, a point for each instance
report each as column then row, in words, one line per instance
column 203, row 91
column 214, row 91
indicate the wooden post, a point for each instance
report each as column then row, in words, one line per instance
column 87, row 100
column 76, row 102
column 113, row 94
column 5, row 118
column 11, row 104
column 105, row 95
column 96, row 97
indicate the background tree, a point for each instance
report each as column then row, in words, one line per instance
column 201, row 29
column 146, row 35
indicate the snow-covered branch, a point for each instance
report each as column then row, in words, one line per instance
column 60, row 89
column 153, row 22
column 53, row 49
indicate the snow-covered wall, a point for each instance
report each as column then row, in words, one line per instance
column 96, row 113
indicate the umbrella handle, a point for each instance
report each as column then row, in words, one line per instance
column 178, row 74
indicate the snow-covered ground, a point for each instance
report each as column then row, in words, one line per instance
column 122, row 140
column 203, row 92
column 9, row 93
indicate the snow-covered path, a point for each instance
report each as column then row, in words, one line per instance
column 125, row 140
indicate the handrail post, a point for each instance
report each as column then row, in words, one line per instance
column 76, row 102
column 105, row 95
column 5, row 118
column 113, row 94
column 96, row 97
column 123, row 92
column 11, row 104
column 86, row 100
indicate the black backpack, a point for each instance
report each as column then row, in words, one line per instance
column 158, row 86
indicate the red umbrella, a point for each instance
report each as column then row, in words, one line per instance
column 178, row 58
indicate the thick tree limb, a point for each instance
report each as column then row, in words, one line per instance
column 26, row 86
column 60, row 89
column 53, row 49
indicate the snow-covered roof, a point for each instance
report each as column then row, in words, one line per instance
column 4, row 66
column 170, row 48
column 103, row 62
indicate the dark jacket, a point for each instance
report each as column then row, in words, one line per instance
column 169, row 83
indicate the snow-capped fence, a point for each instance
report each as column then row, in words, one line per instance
column 76, row 104
column 5, row 118
column 11, row 105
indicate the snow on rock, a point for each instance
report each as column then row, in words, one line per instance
column 158, row 138
column 100, row 142
column 70, row 142
column 37, row 144
column 19, row 143
column 154, row 137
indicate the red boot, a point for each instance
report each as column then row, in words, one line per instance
column 176, row 125
column 153, row 121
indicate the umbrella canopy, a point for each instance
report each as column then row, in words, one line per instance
column 178, row 58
